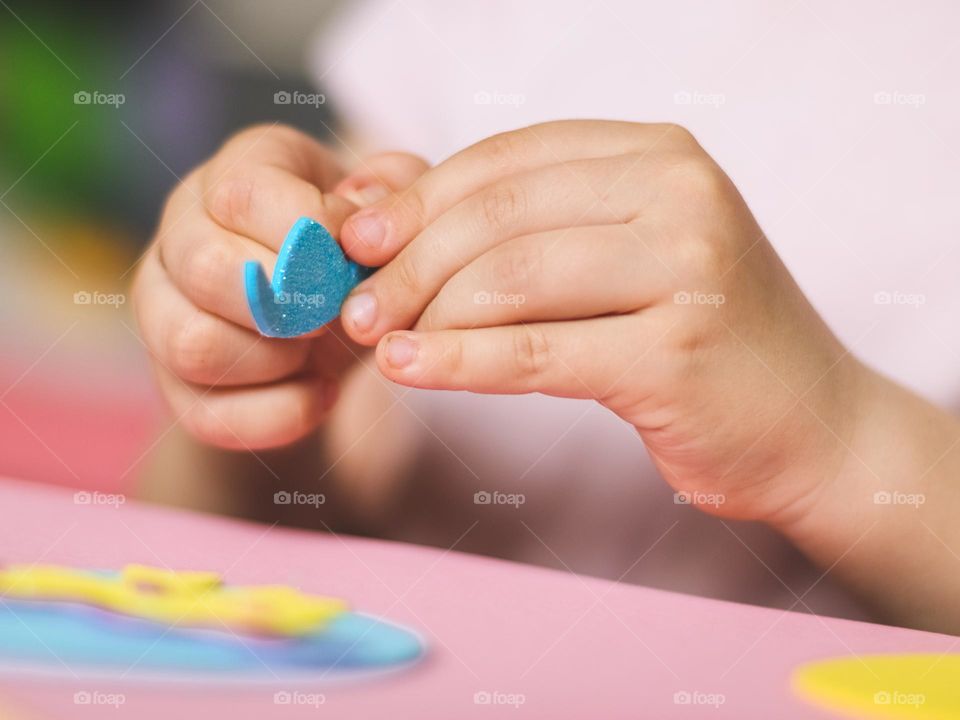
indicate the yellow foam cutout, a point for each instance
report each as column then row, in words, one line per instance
column 923, row 686
column 190, row 599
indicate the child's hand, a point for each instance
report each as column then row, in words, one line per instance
column 612, row 261
column 228, row 385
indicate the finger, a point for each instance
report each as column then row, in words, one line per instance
column 376, row 234
column 379, row 176
column 262, row 202
column 250, row 418
column 566, row 359
column 282, row 147
column 587, row 192
column 205, row 261
column 556, row 275
column 204, row 349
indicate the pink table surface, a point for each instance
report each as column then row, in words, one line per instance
column 573, row 647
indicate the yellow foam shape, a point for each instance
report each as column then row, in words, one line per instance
column 924, row 686
column 189, row 599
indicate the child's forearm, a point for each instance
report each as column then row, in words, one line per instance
column 889, row 524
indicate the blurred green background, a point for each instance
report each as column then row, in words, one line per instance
column 104, row 105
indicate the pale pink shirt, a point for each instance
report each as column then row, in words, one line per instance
column 837, row 121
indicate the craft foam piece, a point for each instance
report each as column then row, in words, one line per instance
column 500, row 619
column 885, row 686
column 42, row 635
column 190, row 599
column 311, row 280
column 164, row 621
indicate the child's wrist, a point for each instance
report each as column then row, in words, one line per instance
column 829, row 471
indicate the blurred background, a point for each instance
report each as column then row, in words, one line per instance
column 103, row 106
column 837, row 121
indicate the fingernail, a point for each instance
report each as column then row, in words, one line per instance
column 370, row 228
column 367, row 195
column 401, row 350
column 360, row 311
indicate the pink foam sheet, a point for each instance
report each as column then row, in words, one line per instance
column 505, row 640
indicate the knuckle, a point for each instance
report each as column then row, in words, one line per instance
column 531, row 351
column 437, row 316
column 700, row 259
column 202, row 271
column 678, row 134
column 407, row 277
column 412, row 204
column 233, row 200
column 517, row 268
column 697, row 179
column 503, row 150
column 191, row 349
column 453, row 362
column 503, row 205
column 259, row 132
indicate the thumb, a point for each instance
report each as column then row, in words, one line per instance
column 380, row 175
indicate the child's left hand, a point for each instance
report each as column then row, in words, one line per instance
column 613, row 261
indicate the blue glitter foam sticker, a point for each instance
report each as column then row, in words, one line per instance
column 311, row 280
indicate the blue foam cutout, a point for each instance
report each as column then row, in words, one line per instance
column 51, row 633
column 311, row 280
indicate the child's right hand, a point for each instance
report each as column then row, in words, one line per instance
column 226, row 384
